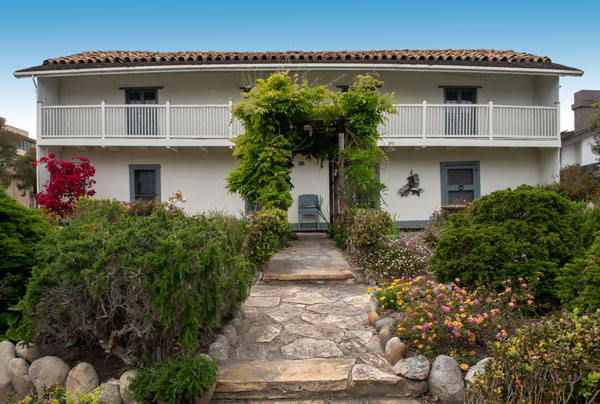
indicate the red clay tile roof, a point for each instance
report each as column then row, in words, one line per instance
column 464, row 57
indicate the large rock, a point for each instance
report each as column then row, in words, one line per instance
column 110, row 392
column 230, row 332
column 415, row 368
column 384, row 336
column 369, row 381
column 395, row 350
column 82, row 378
column 477, row 369
column 18, row 370
column 47, row 371
column 384, row 322
column 446, row 380
column 124, row 383
column 373, row 318
column 7, row 352
column 219, row 350
column 236, row 322
column 29, row 352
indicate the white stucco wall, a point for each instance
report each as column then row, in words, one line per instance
column 220, row 87
column 579, row 152
column 200, row 175
column 500, row 168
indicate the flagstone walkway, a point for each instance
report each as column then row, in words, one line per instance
column 309, row 341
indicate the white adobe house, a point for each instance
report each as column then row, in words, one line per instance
column 577, row 144
column 469, row 121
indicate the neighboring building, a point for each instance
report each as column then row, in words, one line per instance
column 576, row 144
column 469, row 121
column 24, row 143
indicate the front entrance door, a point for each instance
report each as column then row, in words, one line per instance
column 460, row 182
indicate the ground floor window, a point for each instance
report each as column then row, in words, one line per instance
column 144, row 182
column 460, row 182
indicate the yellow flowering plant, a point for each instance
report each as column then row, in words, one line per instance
column 438, row 317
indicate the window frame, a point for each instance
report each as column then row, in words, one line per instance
column 444, row 166
column 133, row 168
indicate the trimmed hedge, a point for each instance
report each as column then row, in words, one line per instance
column 509, row 234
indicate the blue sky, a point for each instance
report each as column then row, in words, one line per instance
column 31, row 31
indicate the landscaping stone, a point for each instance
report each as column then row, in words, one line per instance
column 7, row 352
column 237, row 324
column 369, row 381
column 478, row 368
column 231, row 334
column 312, row 375
column 46, row 371
column 18, row 370
column 373, row 307
column 206, row 397
column 384, row 322
column 29, row 352
column 384, row 336
column 110, row 392
column 219, row 350
column 124, row 383
column 306, row 348
column 415, row 368
column 446, row 380
column 360, row 301
column 373, row 318
column 395, row 350
column 263, row 334
column 82, row 378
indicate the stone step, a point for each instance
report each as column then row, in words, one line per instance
column 326, row 401
column 310, row 379
column 306, row 274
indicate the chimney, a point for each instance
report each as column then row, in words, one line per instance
column 583, row 108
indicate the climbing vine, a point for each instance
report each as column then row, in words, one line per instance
column 284, row 116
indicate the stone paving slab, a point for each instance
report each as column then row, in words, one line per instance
column 311, row 375
column 312, row 257
column 309, row 341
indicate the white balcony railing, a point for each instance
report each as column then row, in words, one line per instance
column 166, row 121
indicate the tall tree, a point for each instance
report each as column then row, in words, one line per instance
column 8, row 153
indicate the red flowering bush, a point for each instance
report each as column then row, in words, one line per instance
column 439, row 317
column 69, row 180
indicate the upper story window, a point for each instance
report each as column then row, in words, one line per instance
column 459, row 95
column 141, row 96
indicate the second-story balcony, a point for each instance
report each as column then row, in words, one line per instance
column 418, row 125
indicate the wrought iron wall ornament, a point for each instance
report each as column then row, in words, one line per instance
column 412, row 187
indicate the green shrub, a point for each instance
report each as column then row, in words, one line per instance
column 133, row 282
column 266, row 229
column 438, row 220
column 364, row 228
column 554, row 361
column 175, row 381
column 578, row 285
column 20, row 230
column 509, row 234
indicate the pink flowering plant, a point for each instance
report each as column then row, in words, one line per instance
column 438, row 317
column 403, row 256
